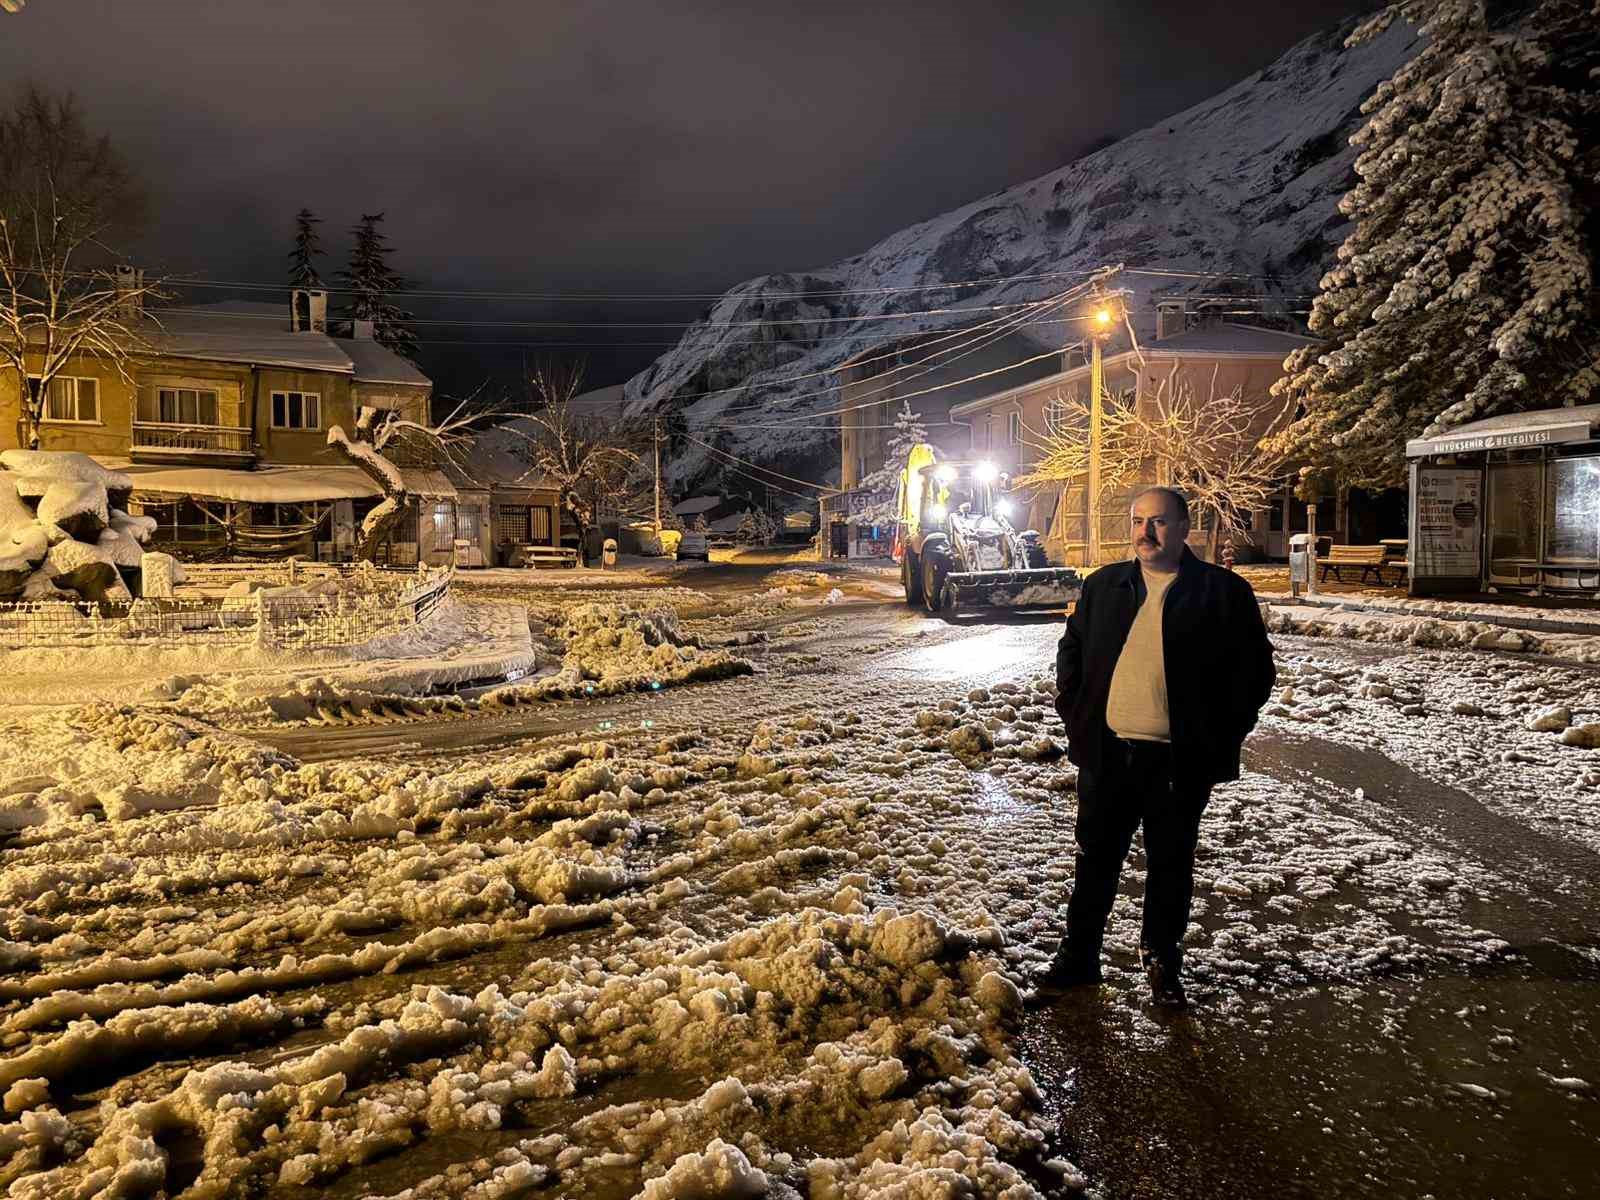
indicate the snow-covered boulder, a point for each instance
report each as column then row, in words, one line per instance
column 39, row 586
column 140, row 529
column 88, row 570
column 78, row 510
column 158, row 574
column 40, row 468
column 1551, row 720
column 23, row 543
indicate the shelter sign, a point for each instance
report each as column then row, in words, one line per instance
column 1449, row 529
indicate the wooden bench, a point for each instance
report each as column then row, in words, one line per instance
column 1368, row 558
column 547, row 556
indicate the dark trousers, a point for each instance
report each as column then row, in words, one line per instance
column 1134, row 786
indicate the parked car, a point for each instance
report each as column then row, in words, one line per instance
column 693, row 545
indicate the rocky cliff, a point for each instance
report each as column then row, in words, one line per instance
column 1246, row 183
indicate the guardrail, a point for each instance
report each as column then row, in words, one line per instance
column 386, row 602
column 170, row 437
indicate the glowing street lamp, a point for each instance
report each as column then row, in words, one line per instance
column 1101, row 320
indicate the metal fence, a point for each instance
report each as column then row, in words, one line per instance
column 381, row 603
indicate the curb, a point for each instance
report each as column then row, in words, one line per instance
column 1530, row 624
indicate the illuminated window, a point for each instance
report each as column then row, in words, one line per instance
column 296, row 410
column 72, row 399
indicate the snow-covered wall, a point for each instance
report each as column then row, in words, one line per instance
column 1246, row 182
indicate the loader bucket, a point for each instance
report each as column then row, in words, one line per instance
column 1039, row 587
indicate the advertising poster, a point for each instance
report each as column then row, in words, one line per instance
column 1449, row 529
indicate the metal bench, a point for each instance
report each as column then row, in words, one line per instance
column 547, row 556
column 1368, row 558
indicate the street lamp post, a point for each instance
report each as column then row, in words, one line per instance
column 1099, row 328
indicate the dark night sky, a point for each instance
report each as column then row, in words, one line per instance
column 610, row 146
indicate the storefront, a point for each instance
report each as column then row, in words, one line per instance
column 1508, row 503
column 854, row 525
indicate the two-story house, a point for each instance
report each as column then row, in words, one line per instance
column 1010, row 426
column 222, row 420
column 932, row 373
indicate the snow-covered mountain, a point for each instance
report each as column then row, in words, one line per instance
column 1247, row 182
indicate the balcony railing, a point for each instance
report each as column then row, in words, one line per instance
column 163, row 438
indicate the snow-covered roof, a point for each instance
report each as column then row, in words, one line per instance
column 498, row 457
column 281, row 484
column 729, row 523
column 264, row 485
column 599, row 402
column 375, row 363
column 1229, row 338
column 696, row 505
column 1543, row 427
column 246, row 331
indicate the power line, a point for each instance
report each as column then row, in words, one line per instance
column 592, row 297
column 902, row 316
column 759, row 467
column 1006, row 326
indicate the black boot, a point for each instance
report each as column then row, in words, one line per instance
column 1166, row 988
column 1071, row 968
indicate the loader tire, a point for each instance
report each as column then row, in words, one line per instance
column 911, row 578
column 1033, row 550
column 934, row 568
column 949, row 605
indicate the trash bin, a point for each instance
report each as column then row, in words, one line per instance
column 1302, row 561
column 608, row 553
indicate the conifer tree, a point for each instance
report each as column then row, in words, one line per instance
column 907, row 432
column 369, row 282
column 1467, row 286
column 307, row 249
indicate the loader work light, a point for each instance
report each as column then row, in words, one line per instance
column 985, row 472
column 945, row 474
column 1002, row 508
column 939, row 512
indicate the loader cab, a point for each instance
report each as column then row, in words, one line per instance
column 957, row 487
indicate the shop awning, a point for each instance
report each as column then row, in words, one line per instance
column 1546, row 427
column 280, row 485
column 265, row 485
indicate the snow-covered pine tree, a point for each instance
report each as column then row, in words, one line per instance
column 1467, row 286
column 756, row 528
column 370, row 282
column 907, row 432
column 307, row 249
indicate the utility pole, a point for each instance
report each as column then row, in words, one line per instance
column 1099, row 327
column 658, row 476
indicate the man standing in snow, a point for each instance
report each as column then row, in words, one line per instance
column 1162, row 671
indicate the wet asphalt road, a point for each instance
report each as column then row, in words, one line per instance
column 1358, row 1094
column 1320, row 1094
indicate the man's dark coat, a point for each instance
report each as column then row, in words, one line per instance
column 1215, row 649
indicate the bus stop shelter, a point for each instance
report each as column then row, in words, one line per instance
column 1509, row 503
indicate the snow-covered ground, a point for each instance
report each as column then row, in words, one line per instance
column 466, row 640
column 766, row 935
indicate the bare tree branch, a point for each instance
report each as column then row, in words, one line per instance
column 63, row 194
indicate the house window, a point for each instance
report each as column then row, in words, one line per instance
column 186, row 406
column 68, row 398
column 988, row 433
column 1055, row 415
column 1014, row 428
column 296, row 410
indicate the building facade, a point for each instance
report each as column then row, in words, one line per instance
column 932, row 373
column 1011, row 427
column 222, row 420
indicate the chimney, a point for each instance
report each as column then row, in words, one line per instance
column 1172, row 318
column 308, row 310
column 130, row 291
column 361, row 330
